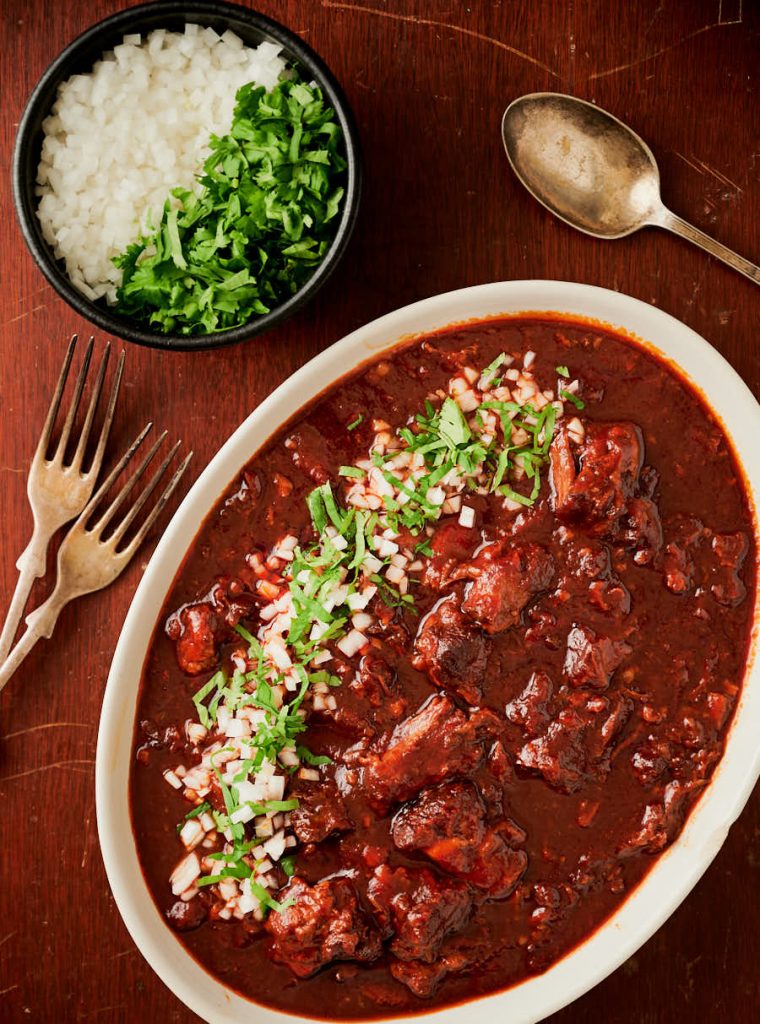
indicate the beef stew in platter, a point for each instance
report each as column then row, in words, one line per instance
column 444, row 671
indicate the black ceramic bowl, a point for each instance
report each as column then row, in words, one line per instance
column 78, row 58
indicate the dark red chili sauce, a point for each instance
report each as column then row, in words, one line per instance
column 571, row 729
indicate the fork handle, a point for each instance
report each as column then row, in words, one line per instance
column 31, row 565
column 40, row 623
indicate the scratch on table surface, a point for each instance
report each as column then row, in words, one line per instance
column 22, row 315
column 414, row 20
column 47, row 767
column 10, row 469
column 695, row 292
column 720, row 177
column 86, row 831
column 701, row 167
column 731, row 21
column 9, row 989
column 689, row 162
column 47, row 725
column 105, row 1009
column 659, row 53
column 7, row 938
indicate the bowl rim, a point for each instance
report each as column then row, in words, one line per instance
column 39, row 104
column 676, row 870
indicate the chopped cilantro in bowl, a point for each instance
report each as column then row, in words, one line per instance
column 263, row 221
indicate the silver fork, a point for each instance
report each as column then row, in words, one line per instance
column 86, row 560
column 59, row 490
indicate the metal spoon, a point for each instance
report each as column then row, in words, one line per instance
column 593, row 172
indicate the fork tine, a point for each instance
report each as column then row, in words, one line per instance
column 44, row 440
column 84, row 437
column 97, row 458
column 157, row 509
column 120, row 498
column 78, row 388
column 129, row 518
column 98, row 496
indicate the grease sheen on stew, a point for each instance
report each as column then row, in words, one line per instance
column 510, row 756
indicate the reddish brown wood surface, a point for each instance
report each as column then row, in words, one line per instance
column 428, row 80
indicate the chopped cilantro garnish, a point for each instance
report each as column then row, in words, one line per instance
column 569, row 397
column 246, row 635
column 489, row 374
column 452, row 425
column 194, row 813
column 351, row 471
column 204, row 717
column 288, row 865
column 317, row 760
column 562, row 371
column 359, row 419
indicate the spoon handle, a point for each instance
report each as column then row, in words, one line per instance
column 674, row 223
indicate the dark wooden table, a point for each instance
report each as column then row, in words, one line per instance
column 428, row 80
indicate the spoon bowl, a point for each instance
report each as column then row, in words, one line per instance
column 594, row 172
column 583, row 164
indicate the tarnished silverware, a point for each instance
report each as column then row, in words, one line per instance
column 595, row 173
column 91, row 556
column 59, row 489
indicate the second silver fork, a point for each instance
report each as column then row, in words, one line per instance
column 91, row 555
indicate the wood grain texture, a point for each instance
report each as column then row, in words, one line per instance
column 428, row 80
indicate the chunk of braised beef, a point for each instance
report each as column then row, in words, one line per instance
column 196, row 636
column 562, row 469
column 451, row 545
column 324, row 923
column 609, row 724
column 198, row 628
column 375, row 684
column 678, row 569
column 448, row 824
column 584, row 557
column 558, row 754
column 375, row 680
column 502, row 582
column 437, row 742
column 685, row 534
column 598, row 492
column 641, row 530
column 730, row 550
column 610, row 597
column 452, row 651
column 423, row 979
column 321, row 812
column 185, row 916
column 577, row 743
column 531, row 710
column 418, row 909
column 590, row 658
column 719, row 707
column 662, row 820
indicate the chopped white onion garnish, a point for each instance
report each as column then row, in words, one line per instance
column 352, row 643
column 185, row 873
column 362, row 620
column 467, row 517
column 191, row 833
